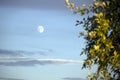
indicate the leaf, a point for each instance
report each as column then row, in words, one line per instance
column 67, row 2
column 72, row 6
column 115, row 53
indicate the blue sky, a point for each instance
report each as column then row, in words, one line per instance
column 26, row 54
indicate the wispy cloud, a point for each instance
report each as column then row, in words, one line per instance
column 9, row 79
column 69, row 78
column 35, row 61
column 10, row 53
column 39, row 4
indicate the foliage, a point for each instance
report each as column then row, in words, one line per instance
column 102, row 35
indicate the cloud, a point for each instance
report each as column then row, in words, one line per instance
column 35, row 61
column 22, row 58
column 9, row 79
column 10, row 53
column 41, row 4
column 69, row 78
column 37, row 4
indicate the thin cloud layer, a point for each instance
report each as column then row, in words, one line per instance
column 18, row 58
column 35, row 61
column 35, row 4
column 41, row 4
column 10, row 53
column 69, row 78
column 9, row 79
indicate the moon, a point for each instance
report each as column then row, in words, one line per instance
column 40, row 29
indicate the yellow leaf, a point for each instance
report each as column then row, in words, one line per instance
column 72, row 5
column 97, row 4
column 67, row 2
column 99, row 14
column 96, row 47
column 104, row 38
column 89, row 62
column 98, row 59
column 115, row 53
column 104, row 4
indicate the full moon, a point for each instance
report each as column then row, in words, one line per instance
column 40, row 29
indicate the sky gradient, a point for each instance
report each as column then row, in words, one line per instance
column 26, row 54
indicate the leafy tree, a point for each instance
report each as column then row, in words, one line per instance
column 102, row 35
